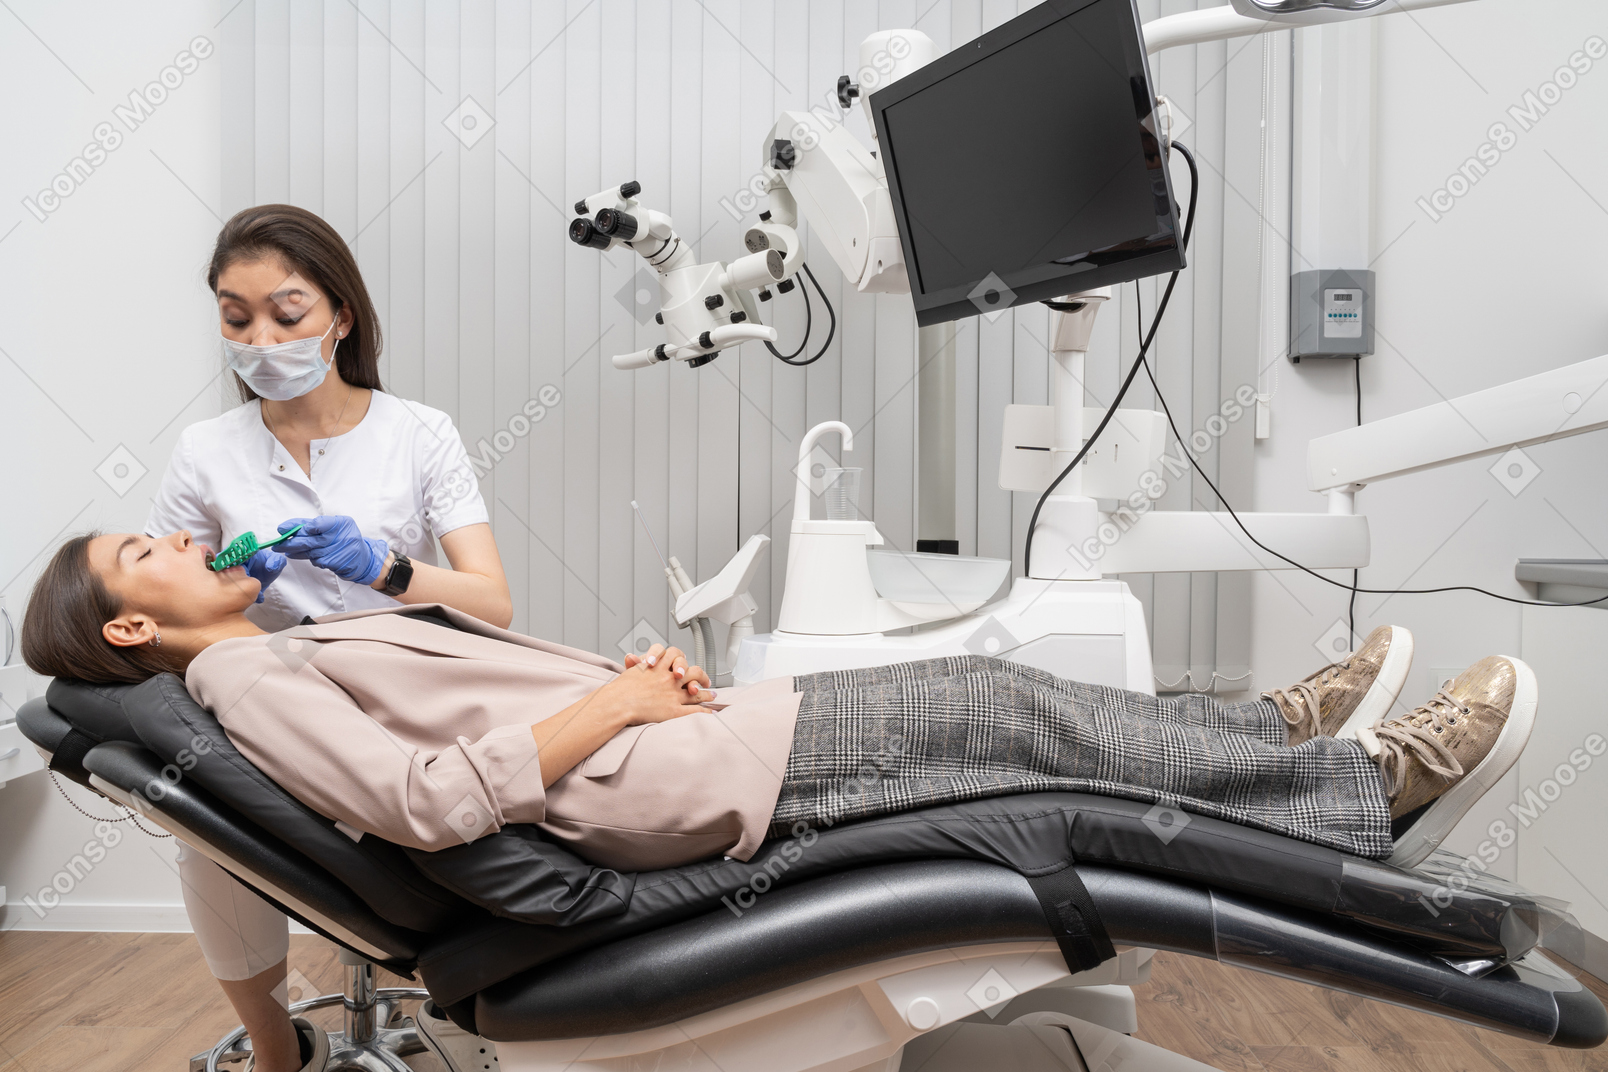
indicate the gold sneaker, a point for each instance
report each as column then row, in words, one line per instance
column 1347, row 695
column 1438, row 759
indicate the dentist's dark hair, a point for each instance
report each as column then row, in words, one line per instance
column 61, row 631
column 311, row 247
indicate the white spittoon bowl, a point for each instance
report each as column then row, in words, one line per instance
column 920, row 583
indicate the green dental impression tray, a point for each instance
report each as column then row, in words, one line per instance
column 243, row 547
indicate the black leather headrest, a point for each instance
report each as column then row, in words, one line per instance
column 93, row 709
column 73, row 717
column 184, row 734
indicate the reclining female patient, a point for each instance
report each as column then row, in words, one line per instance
column 428, row 736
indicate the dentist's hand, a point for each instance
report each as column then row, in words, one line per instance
column 334, row 543
column 266, row 566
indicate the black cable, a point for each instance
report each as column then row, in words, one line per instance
column 1356, row 574
column 1144, row 346
column 1141, row 361
column 831, row 314
column 1138, row 310
column 831, row 329
column 1329, row 580
column 805, row 341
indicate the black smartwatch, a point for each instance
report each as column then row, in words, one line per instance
column 401, row 575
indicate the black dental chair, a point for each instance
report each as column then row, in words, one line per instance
column 994, row 928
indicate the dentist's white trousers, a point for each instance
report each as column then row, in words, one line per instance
column 240, row 934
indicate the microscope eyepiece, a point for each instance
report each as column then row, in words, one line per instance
column 617, row 224
column 583, row 233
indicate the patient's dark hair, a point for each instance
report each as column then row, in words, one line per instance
column 61, row 632
column 312, row 247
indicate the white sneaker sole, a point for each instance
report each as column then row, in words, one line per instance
column 1381, row 695
column 1424, row 836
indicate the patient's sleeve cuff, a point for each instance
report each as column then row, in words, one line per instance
column 509, row 765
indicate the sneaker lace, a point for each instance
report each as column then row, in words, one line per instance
column 1418, row 734
column 1330, row 672
column 1299, row 702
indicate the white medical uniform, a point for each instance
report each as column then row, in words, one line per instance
column 402, row 474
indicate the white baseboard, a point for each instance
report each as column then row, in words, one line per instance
column 137, row 918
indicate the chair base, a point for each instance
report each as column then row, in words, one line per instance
column 367, row 1044
column 1042, row 1042
column 949, row 1010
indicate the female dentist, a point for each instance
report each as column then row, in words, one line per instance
column 372, row 480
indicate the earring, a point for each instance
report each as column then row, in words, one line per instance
column 156, row 641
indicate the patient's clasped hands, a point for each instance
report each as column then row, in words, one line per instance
column 659, row 685
column 654, row 687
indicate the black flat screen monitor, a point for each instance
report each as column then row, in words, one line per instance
column 1024, row 165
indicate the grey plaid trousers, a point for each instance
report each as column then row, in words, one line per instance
column 890, row 738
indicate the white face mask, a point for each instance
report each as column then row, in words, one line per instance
column 283, row 371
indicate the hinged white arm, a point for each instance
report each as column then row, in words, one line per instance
column 1220, row 23
column 1551, row 405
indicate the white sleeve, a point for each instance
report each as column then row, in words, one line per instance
column 178, row 503
column 451, row 490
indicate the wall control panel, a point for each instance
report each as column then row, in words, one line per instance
column 1331, row 314
column 1342, row 314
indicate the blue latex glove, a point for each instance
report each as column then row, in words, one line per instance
column 335, row 543
column 266, row 565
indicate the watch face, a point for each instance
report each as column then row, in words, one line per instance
column 401, row 576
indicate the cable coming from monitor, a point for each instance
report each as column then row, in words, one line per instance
column 1142, row 361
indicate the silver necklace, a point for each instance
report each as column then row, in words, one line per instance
column 275, row 432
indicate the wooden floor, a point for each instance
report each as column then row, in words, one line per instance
column 145, row 1003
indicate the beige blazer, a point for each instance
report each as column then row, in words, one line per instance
column 421, row 735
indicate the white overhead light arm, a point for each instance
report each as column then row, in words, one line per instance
column 1220, row 23
column 1551, row 405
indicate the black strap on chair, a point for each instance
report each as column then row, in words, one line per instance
column 68, row 756
column 1072, row 917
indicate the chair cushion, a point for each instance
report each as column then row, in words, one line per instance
column 520, row 874
column 879, row 912
column 1032, row 834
